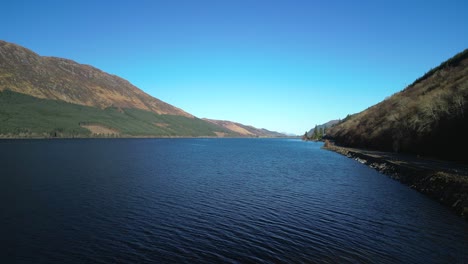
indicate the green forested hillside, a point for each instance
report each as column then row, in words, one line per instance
column 26, row 116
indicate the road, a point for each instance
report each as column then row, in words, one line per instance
column 416, row 161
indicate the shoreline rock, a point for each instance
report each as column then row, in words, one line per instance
column 448, row 188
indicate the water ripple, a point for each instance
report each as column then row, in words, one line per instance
column 215, row 201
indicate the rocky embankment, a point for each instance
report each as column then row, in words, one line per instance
column 440, row 181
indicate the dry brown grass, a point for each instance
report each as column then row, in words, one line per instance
column 26, row 72
column 426, row 113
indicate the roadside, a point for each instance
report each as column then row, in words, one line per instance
column 443, row 181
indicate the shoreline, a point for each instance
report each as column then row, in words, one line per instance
column 126, row 137
column 436, row 179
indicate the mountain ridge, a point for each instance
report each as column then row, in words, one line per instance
column 245, row 130
column 47, row 77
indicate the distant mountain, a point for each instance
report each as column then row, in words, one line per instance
column 289, row 134
column 244, row 130
column 55, row 97
column 323, row 126
column 429, row 117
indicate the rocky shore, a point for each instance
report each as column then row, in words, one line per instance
column 444, row 182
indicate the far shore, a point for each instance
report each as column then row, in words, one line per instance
column 125, row 137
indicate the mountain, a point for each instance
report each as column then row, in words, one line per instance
column 323, row 126
column 244, row 130
column 24, row 71
column 54, row 97
column 26, row 116
column 429, row 117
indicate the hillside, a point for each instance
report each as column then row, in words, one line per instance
column 243, row 130
column 26, row 116
column 429, row 117
column 23, row 71
column 55, row 97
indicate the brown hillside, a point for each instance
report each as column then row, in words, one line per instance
column 247, row 131
column 24, row 71
column 429, row 117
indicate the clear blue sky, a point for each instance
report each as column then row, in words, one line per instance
column 281, row 65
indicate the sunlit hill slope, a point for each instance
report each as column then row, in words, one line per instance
column 429, row 117
column 244, row 130
column 55, row 97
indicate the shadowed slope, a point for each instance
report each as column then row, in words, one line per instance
column 429, row 117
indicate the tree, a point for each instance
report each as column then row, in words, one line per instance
column 316, row 133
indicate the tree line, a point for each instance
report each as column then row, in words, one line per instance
column 317, row 134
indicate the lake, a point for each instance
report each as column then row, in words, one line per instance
column 212, row 201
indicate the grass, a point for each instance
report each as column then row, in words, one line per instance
column 26, row 116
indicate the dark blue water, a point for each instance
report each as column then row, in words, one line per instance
column 212, row 201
